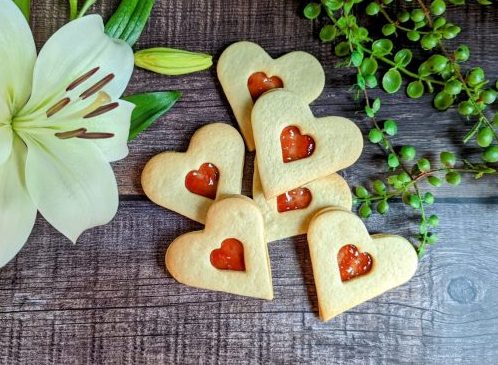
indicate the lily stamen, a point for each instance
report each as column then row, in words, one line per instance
column 82, row 79
column 98, row 86
column 57, row 107
column 101, row 110
column 71, row 134
column 96, row 135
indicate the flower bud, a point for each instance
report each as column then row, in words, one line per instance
column 169, row 61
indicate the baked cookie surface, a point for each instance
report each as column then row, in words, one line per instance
column 295, row 148
column 229, row 255
column 245, row 64
column 350, row 266
column 289, row 214
column 188, row 183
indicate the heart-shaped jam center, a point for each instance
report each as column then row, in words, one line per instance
column 230, row 256
column 258, row 83
column 299, row 198
column 204, row 181
column 295, row 145
column 353, row 263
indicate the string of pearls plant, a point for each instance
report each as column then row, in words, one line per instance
column 441, row 72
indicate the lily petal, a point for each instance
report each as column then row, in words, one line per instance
column 75, row 59
column 6, row 136
column 17, row 211
column 117, row 122
column 70, row 182
column 18, row 55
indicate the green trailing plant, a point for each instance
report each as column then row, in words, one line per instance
column 379, row 62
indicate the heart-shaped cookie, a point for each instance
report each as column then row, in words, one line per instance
column 246, row 71
column 350, row 266
column 294, row 147
column 289, row 214
column 229, row 255
column 188, row 183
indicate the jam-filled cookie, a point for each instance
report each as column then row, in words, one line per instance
column 188, row 183
column 350, row 266
column 294, row 147
column 246, row 71
column 289, row 214
column 229, row 255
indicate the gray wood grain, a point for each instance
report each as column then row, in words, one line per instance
column 108, row 300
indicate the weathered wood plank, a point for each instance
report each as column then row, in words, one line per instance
column 109, row 300
column 210, row 26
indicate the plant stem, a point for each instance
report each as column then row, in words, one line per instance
column 426, row 12
column 456, row 69
column 402, row 69
column 396, row 24
column 73, row 9
column 86, row 5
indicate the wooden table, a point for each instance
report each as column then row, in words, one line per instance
column 109, row 300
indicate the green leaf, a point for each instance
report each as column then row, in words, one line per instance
column 438, row 7
column 333, row 4
column 392, row 160
column 360, row 81
column 375, row 135
column 312, row 10
column 149, row 107
column 382, row 47
column 342, row 49
column 371, row 81
column 361, row 192
column 348, row 5
column 356, row 58
column 443, row 100
column 390, row 127
column 328, row 33
column 415, row 89
column 403, row 57
column 25, row 6
column 448, row 159
column 391, row 82
column 369, row 66
column 376, row 105
column 388, row 29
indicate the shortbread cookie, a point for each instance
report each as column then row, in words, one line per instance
column 350, row 266
column 246, row 71
column 188, row 183
column 290, row 213
column 294, row 147
column 229, row 255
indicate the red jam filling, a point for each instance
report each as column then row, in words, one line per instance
column 295, row 146
column 299, row 198
column 204, row 181
column 352, row 263
column 230, row 256
column 259, row 83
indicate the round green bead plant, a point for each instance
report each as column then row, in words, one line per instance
column 440, row 73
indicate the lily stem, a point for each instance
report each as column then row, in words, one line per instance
column 86, row 5
column 73, row 9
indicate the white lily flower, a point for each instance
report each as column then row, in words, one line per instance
column 61, row 124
